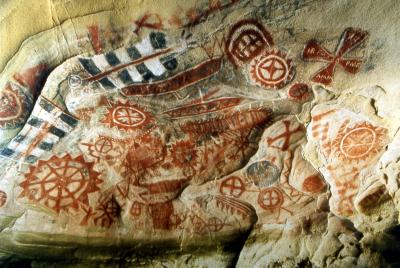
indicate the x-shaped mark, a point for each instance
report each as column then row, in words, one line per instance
column 351, row 38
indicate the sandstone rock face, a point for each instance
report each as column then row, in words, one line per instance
column 201, row 134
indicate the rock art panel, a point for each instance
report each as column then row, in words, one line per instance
column 349, row 145
column 157, row 130
column 271, row 181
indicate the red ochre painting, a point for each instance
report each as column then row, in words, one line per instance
column 200, row 127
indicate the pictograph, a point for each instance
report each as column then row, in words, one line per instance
column 270, row 198
column 126, row 116
column 351, row 39
column 246, row 40
column 61, row 183
column 282, row 141
column 109, row 211
column 11, row 106
column 232, row 186
column 272, row 70
column 299, row 92
column 360, row 141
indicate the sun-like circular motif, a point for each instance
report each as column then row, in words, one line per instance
column 359, row 142
column 272, row 70
column 13, row 106
column 126, row 116
column 60, row 183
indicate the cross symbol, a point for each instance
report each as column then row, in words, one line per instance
column 284, row 136
column 272, row 67
column 350, row 39
column 232, row 186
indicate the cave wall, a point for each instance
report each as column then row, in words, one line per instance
column 199, row 133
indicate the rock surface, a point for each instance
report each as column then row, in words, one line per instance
column 211, row 133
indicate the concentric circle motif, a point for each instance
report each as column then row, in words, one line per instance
column 272, row 70
column 74, row 81
column 246, row 40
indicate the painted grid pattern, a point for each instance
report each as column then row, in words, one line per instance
column 151, row 69
column 44, row 128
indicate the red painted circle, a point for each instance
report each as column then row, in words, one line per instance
column 128, row 116
column 232, row 186
column 299, row 92
column 271, row 70
column 270, row 198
